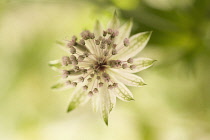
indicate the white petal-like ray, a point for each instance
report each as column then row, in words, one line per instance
column 107, row 102
column 124, row 32
column 94, row 49
column 137, row 43
column 114, row 23
column 98, row 29
column 61, row 83
column 89, row 46
column 57, row 66
column 141, row 64
column 78, row 97
column 121, row 91
column 62, row 45
column 127, row 78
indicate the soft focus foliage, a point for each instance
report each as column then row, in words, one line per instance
column 175, row 103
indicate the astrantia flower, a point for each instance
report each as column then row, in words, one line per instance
column 101, row 64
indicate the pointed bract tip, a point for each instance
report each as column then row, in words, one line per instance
column 150, row 32
column 144, row 84
column 70, row 108
column 60, row 42
column 115, row 12
column 97, row 21
column 106, row 121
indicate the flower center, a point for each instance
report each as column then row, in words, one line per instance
column 100, row 66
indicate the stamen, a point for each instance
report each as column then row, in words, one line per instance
column 86, row 54
column 106, row 77
column 100, row 38
column 74, row 38
column 71, row 44
column 126, row 42
column 89, row 79
column 103, row 41
column 68, row 82
column 95, row 90
column 92, row 75
column 124, row 66
column 74, row 84
column 104, row 33
column 109, row 41
column 91, row 35
column 114, row 46
column 118, row 63
column 130, row 60
column 82, row 42
column 84, row 71
column 90, row 93
column 110, row 87
column 106, row 53
column 85, row 35
column 114, row 51
column 74, row 62
column 132, row 67
column 115, row 85
column 72, row 57
column 81, row 79
column 65, row 73
column 101, row 84
column 85, row 87
column 98, row 77
column 76, row 68
column 110, row 31
column 102, row 46
column 66, row 60
column 97, row 42
column 81, row 58
column 72, row 50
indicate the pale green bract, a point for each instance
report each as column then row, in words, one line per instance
column 101, row 64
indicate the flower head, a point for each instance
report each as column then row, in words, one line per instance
column 101, row 64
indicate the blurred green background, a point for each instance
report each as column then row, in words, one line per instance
column 174, row 105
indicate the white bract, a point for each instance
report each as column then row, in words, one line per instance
column 101, row 64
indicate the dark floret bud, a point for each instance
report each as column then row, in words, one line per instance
column 101, row 84
column 130, row 60
column 132, row 67
column 72, row 50
column 124, row 66
column 81, row 79
column 95, row 90
column 104, row 33
column 126, row 42
column 114, row 51
column 109, row 31
column 115, row 85
column 65, row 73
column 81, row 58
column 74, row 84
column 82, row 42
column 74, row 38
column 97, row 42
column 76, row 68
column 90, row 93
column 66, row 60
column 84, row 71
column 72, row 57
column 89, row 79
column 68, row 82
column 85, row 87
column 110, row 87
